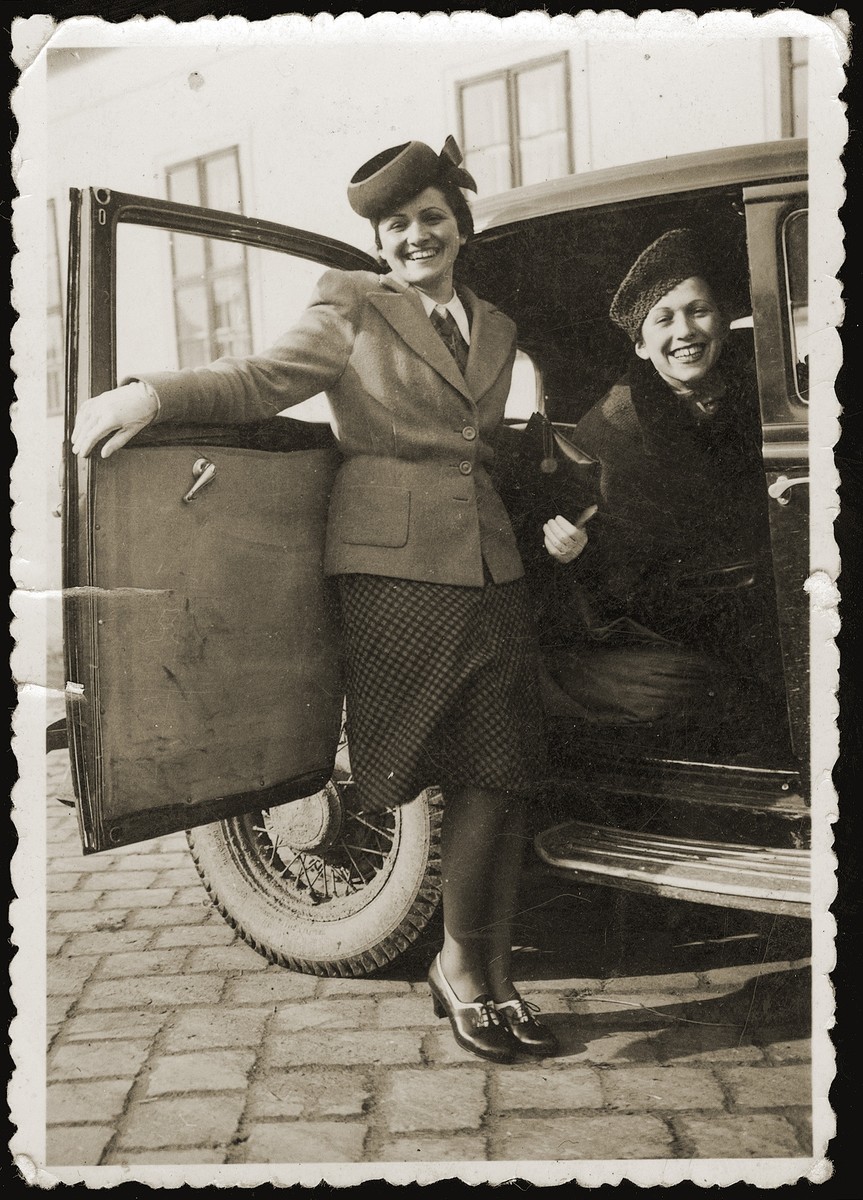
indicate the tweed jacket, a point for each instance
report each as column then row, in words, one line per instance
column 413, row 497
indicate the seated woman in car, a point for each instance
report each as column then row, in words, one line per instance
column 669, row 576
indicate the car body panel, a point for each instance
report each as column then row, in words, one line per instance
column 702, row 170
column 211, row 629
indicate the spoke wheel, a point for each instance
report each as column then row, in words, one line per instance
column 320, row 885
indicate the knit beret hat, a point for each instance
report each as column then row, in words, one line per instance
column 673, row 257
column 402, row 171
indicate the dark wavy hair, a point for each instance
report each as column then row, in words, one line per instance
column 454, row 197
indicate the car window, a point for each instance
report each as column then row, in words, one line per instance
column 795, row 251
column 185, row 300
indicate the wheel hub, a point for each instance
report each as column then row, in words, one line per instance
column 311, row 824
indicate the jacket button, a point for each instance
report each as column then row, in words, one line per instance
column 465, row 468
column 468, row 433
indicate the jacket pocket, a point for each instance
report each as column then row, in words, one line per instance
column 372, row 515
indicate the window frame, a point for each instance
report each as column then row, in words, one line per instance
column 55, row 367
column 797, row 338
column 510, row 75
column 212, row 273
column 789, row 65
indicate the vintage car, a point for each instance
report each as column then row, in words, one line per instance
column 201, row 638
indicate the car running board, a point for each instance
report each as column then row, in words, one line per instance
column 759, row 878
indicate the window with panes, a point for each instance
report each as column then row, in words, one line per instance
column 516, row 124
column 211, row 292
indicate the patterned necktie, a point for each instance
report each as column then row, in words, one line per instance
column 444, row 323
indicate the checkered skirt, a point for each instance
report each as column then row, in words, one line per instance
column 441, row 687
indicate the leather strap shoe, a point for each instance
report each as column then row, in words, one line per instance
column 477, row 1026
column 530, row 1034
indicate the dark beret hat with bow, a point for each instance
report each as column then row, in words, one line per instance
column 673, row 257
column 396, row 174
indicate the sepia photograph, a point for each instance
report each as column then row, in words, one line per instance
column 425, row 598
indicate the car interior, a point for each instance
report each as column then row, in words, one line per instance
column 707, row 684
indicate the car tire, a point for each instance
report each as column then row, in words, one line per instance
column 321, row 886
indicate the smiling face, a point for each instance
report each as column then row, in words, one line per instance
column 420, row 242
column 683, row 334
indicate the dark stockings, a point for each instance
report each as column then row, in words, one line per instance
column 481, row 852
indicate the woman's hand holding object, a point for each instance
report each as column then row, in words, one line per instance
column 565, row 541
column 123, row 412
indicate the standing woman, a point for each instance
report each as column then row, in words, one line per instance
column 438, row 644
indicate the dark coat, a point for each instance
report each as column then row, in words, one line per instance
column 679, row 501
column 413, row 498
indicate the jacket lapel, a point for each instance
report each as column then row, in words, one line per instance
column 403, row 310
column 491, row 342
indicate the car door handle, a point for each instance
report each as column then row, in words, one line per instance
column 203, row 471
column 778, row 489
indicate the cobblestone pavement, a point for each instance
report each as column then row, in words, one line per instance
column 684, row 1031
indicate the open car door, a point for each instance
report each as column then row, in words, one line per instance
column 201, row 649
